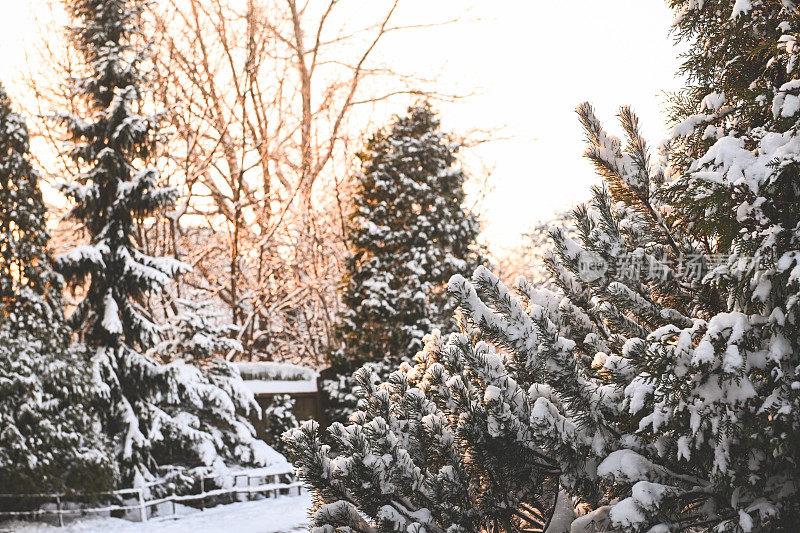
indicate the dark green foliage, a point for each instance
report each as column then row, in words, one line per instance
column 48, row 438
column 280, row 419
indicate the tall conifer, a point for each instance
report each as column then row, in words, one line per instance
column 159, row 416
column 409, row 232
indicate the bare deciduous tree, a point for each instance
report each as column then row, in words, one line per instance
column 268, row 102
column 265, row 97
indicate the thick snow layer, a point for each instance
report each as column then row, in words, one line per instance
column 270, row 370
column 280, row 387
column 268, row 377
column 272, row 515
column 740, row 7
column 625, row 466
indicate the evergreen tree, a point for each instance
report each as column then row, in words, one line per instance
column 659, row 382
column 409, row 232
column 160, row 417
column 48, row 440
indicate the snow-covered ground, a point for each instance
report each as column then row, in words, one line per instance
column 273, row 515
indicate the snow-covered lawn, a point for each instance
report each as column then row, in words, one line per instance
column 273, row 515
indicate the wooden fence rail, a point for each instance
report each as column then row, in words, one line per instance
column 270, row 484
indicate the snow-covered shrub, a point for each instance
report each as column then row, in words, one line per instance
column 50, row 440
column 279, row 419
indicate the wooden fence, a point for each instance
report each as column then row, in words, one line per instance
column 138, row 503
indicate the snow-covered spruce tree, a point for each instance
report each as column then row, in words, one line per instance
column 48, row 441
column 661, row 381
column 409, row 232
column 162, row 417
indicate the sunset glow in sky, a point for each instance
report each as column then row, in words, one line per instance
column 531, row 63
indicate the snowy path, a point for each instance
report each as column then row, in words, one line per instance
column 287, row 514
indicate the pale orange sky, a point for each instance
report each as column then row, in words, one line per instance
column 531, row 63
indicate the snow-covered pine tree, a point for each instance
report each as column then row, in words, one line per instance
column 49, row 441
column 161, row 417
column 409, row 232
column 661, row 381
column 425, row 454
